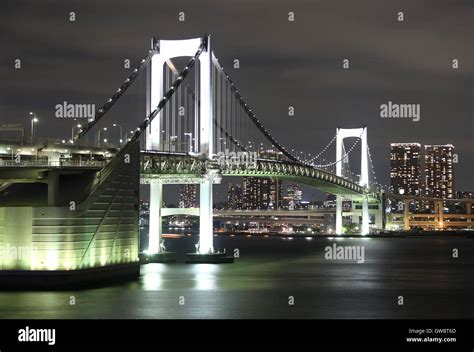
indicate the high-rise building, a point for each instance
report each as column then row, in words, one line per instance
column 463, row 207
column 269, row 154
column 464, row 194
column 144, row 213
column 293, row 196
column 188, row 196
column 439, row 171
column 145, row 207
column 263, row 192
column 234, row 196
column 405, row 168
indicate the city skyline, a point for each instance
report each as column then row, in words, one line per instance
column 249, row 159
column 407, row 176
column 358, row 91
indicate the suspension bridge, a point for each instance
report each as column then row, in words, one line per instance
column 197, row 129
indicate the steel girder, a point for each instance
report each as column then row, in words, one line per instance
column 192, row 168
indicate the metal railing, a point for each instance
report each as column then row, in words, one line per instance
column 53, row 164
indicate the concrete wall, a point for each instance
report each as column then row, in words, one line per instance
column 97, row 231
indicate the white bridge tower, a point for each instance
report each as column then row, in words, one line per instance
column 166, row 50
column 361, row 133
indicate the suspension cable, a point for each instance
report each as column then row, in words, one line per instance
column 115, row 97
column 324, row 149
column 372, row 166
column 177, row 82
column 343, row 156
column 253, row 117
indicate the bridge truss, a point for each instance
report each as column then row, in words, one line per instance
column 198, row 126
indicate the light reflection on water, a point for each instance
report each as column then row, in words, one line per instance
column 258, row 284
column 152, row 276
column 201, row 276
column 205, row 276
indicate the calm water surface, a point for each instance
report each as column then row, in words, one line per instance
column 269, row 270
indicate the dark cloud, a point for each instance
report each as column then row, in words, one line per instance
column 282, row 63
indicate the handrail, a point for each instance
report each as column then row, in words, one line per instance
column 49, row 164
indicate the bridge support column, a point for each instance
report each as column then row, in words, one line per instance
column 157, row 252
column 206, row 136
column 338, row 215
column 205, row 252
column 205, row 218
column 469, row 212
column 156, row 201
column 440, row 207
column 53, row 187
column 406, row 215
column 365, row 216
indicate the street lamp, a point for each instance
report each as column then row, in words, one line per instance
column 162, row 140
column 173, row 139
column 98, row 135
column 223, row 144
column 190, row 135
column 126, row 135
column 34, row 119
column 11, row 150
column 72, row 131
column 121, row 134
column 250, row 145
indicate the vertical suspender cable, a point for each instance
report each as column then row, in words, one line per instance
column 180, row 117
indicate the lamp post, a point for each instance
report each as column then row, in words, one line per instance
column 98, row 136
column 223, row 144
column 190, row 135
column 36, row 153
column 127, row 138
column 251, row 146
column 121, row 134
column 12, row 152
column 72, row 131
column 162, row 140
column 173, row 139
column 34, row 119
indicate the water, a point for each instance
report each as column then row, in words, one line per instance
column 258, row 285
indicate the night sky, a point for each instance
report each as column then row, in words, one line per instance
column 282, row 64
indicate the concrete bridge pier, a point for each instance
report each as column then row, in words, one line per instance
column 365, row 215
column 406, row 214
column 206, row 245
column 156, row 252
column 469, row 212
column 205, row 252
column 155, row 225
column 338, row 215
column 365, row 230
column 53, row 187
column 439, row 209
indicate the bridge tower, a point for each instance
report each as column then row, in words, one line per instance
column 361, row 133
column 165, row 50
